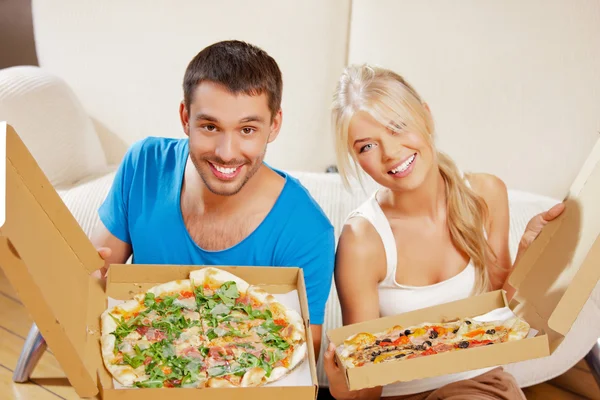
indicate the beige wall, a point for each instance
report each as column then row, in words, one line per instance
column 16, row 34
column 513, row 85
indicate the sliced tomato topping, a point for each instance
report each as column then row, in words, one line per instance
column 186, row 295
column 400, row 340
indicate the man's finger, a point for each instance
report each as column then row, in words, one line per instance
column 104, row 252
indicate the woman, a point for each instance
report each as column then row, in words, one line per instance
column 430, row 235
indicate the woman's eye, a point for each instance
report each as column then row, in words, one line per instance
column 248, row 131
column 365, row 147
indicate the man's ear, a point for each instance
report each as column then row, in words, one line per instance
column 185, row 118
column 275, row 125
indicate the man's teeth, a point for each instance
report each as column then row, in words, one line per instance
column 225, row 170
column 404, row 165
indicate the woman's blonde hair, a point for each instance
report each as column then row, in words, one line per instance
column 387, row 97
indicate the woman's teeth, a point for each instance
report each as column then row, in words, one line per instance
column 404, row 166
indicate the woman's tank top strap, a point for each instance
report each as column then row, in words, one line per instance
column 372, row 212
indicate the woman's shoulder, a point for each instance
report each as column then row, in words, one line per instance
column 360, row 238
column 488, row 186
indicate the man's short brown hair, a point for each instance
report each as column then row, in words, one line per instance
column 240, row 67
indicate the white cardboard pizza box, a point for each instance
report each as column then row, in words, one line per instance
column 48, row 260
column 553, row 280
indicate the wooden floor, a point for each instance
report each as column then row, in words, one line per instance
column 49, row 382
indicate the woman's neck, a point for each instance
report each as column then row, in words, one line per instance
column 425, row 201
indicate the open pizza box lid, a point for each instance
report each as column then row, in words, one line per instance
column 48, row 258
column 559, row 271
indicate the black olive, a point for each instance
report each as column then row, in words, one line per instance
column 454, row 331
column 373, row 359
column 407, row 332
column 375, row 353
column 468, row 322
column 490, row 331
column 399, row 355
column 400, row 334
column 386, row 340
column 463, row 345
column 377, row 342
column 428, row 342
column 433, row 335
column 487, row 344
column 420, row 347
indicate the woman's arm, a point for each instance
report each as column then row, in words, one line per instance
column 494, row 192
column 360, row 266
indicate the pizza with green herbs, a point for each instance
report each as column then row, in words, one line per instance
column 211, row 330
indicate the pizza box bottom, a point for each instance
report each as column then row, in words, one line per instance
column 124, row 281
column 372, row 375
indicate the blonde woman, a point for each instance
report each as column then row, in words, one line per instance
column 430, row 235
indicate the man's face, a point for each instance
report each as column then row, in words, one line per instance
column 228, row 135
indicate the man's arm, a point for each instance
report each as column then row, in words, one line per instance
column 111, row 249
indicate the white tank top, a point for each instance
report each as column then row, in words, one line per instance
column 395, row 298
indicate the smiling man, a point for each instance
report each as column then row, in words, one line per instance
column 209, row 199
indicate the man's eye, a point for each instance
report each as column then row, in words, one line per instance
column 210, row 128
column 248, row 131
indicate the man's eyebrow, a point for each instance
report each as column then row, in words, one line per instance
column 205, row 117
column 252, row 118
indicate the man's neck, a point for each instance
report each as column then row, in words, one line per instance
column 206, row 202
column 425, row 201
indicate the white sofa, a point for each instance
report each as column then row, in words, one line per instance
column 111, row 74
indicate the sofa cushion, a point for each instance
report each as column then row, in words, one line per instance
column 52, row 123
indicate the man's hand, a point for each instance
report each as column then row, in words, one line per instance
column 110, row 249
column 105, row 253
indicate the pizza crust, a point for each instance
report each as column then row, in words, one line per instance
column 209, row 274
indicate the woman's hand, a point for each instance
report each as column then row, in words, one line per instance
column 535, row 226
column 335, row 375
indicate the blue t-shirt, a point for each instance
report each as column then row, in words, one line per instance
column 143, row 210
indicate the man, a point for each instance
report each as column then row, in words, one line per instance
column 209, row 199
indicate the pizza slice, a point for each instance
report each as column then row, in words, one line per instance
column 398, row 343
column 253, row 338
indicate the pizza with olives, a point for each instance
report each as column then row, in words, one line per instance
column 399, row 343
column 211, row 330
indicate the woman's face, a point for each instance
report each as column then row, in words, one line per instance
column 397, row 160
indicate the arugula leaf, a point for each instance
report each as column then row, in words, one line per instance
column 134, row 361
column 245, row 345
column 149, row 300
column 217, row 371
column 203, row 350
column 150, row 383
column 228, row 292
column 211, row 334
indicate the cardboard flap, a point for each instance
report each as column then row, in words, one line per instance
column 47, row 258
column 562, row 266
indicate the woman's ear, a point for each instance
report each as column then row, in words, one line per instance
column 426, row 106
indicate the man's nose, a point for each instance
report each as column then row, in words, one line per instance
column 226, row 148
